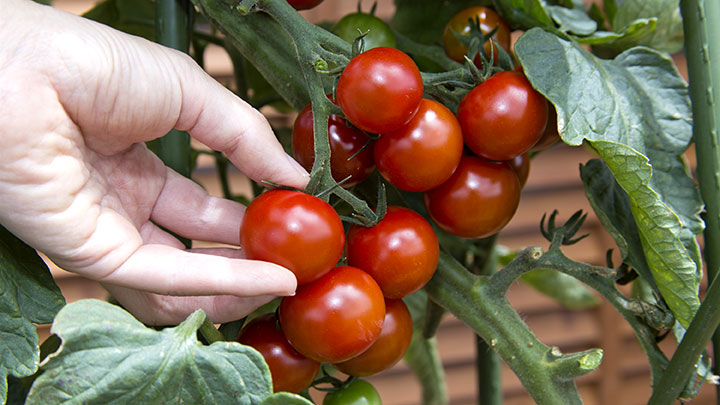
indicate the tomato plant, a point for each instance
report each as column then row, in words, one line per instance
column 477, row 201
column 357, row 392
column 400, row 252
column 462, row 24
column 336, row 317
column 351, row 150
column 423, row 153
column 503, row 116
column 378, row 32
column 282, row 226
column 380, row 90
column 291, row 371
column 388, row 348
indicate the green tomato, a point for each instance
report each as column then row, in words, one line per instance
column 358, row 392
column 379, row 32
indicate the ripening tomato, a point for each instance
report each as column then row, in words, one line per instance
column 460, row 24
column 521, row 166
column 290, row 370
column 284, row 227
column 503, row 116
column 380, row 90
column 388, row 348
column 477, row 201
column 423, row 153
column 304, row 4
column 350, row 154
column 378, row 32
column 357, row 392
column 336, row 317
column 401, row 252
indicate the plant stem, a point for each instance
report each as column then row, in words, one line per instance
column 701, row 49
column 423, row 359
column 210, row 333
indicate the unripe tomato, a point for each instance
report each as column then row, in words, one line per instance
column 378, row 32
column 345, row 142
column 294, row 230
column 401, row 252
column 304, row 4
column 477, row 201
column 503, row 116
column 423, row 153
column 336, row 317
column 380, row 90
column 388, row 348
column 290, row 370
column 357, row 392
column 460, row 24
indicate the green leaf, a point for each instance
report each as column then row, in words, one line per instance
column 634, row 111
column 28, row 294
column 667, row 35
column 109, row 357
column 136, row 17
column 613, row 207
column 285, row 398
column 564, row 289
column 572, row 20
column 612, row 40
column 524, row 14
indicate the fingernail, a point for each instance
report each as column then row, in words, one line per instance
column 301, row 170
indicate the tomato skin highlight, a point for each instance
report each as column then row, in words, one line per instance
column 488, row 19
column 291, row 371
column 424, row 152
column 283, row 226
column 388, row 348
column 502, row 117
column 401, row 252
column 336, row 317
column 477, row 201
column 380, row 90
column 345, row 142
column 521, row 165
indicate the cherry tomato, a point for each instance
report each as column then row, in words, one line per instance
column 503, row 116
column 336, row 317
column 401, row 252
column 294, row 230
column 521, row 166
column 380, row 90
column 477, row 201
column 460, row 23
column 378, row 32
column 290, row 370
column 550, row 136
column 345, row 143
column 423, row 153
column 304, row 4
column 357, row 392
column 388, row 348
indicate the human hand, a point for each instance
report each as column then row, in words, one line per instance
column 77, row 101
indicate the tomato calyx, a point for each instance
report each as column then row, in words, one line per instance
column 327, row 382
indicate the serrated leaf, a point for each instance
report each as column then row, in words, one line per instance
column 634, row 111
column 572, row 20
column 524, row 14
column 667, row 35
column 28, row 294
column 566, row 290
column 286, row 398
column 613, row 207
column 109, row 357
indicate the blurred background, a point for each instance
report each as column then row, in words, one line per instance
column 554, row 183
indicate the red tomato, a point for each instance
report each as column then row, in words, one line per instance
column 401, row 252
column 503, row 116
column 304, row 4
column 423, row 153
column 380, row 90
column 550, row 136
column 294, row 230
column 521, row 165
column 477, row 201
column 345, row 142
column 291, row 371
column 388, row 348
column 460, row 24
column 336, row 317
